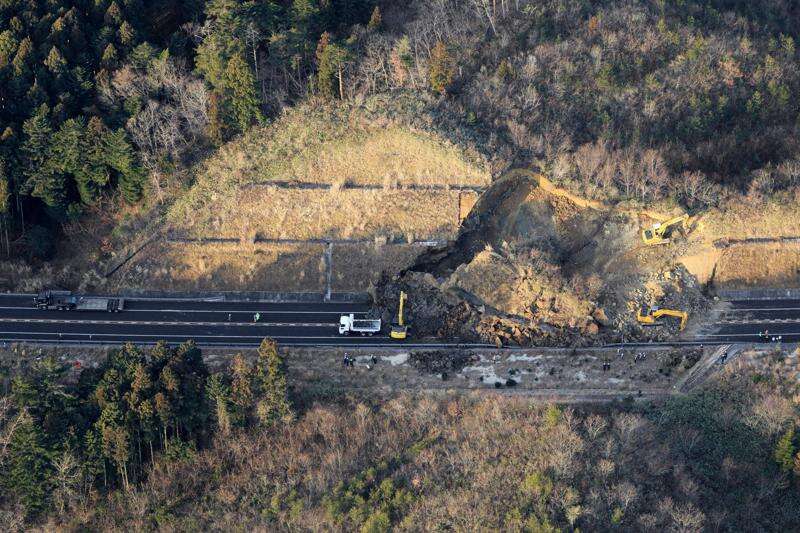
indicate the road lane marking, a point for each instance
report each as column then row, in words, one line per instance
column 758, row 309
column 163, row 323
column 220, row 311
column 754, row 334
column 756, row 320
column 156, row 336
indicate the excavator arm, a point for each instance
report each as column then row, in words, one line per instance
column 650, row 316
column 399, row 330
column 659, row 233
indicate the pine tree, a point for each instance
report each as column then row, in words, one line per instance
column 41, row 181
column 110, row 57
column 192, row 407
column 441, row 68
column 29, row 469
column 243, row 93
column 8, row 45
column 127, row 34
column 118, row 154
column 322, row 44
column 113, row 15
column 376, row 20
column 22, row 59
column 219, row 394
column 5, row 206
column 785, row 450
column 273, row 405
column 55, row 61
column 330, row 74
column 242, row 396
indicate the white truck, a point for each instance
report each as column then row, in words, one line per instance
column 66, row 301
column 350, row 325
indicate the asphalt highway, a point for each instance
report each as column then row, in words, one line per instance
column 753, row 321
column 208, row 322
column 215, row 322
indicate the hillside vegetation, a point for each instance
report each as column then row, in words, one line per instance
column 334, row 146
column 723, row 458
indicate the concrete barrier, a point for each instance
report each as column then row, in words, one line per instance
column 250, row 296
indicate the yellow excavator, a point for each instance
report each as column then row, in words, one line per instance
column 660, row 233
column 651, row 316
column 400, row 330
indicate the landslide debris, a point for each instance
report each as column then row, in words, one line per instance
column 442, row 361
column 534, row 265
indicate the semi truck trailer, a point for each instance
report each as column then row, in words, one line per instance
column 66, row 301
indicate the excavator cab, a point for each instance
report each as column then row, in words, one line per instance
column 399, row 330
column 660, row 233
column 651, row 316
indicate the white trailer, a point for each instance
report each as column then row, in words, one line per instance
column 350, row 325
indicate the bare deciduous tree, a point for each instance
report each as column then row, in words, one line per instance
column 172, row 116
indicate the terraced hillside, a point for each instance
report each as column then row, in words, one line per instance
column 313, row 197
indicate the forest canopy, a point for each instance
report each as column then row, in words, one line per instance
column 650, row 100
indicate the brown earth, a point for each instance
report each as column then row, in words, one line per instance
column 536, row 265
column 281, row 213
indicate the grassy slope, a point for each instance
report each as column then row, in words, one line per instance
column 325, row 145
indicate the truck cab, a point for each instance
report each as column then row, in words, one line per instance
column 61, row 300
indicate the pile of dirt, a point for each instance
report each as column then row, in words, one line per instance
column 430, row 311
column 535, row 266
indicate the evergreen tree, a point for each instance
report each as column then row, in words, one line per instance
column 242, row 397
column 22, row 59
column 110, row 57
column 41, row 181
column 376, row 20
column 243, row 94
column 219, row 394
column 8, row 45
column 29, row 471
column 127, row 34
column 55, row 61
column 331, row 67
column 785, row 451
column 5, row 206
column 441, row 68
column 273, row 405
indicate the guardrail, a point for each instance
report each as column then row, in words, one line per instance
column 759, row 294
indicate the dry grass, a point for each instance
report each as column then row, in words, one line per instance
column 329, row 146
column 743, row 219
column 758, row 266
column 263, row 266
column 279, row 213
column 187, row 267
column 388, row 157
column 232, row 198
column 355, row 266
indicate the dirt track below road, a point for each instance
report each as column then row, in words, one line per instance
column 547, row 375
